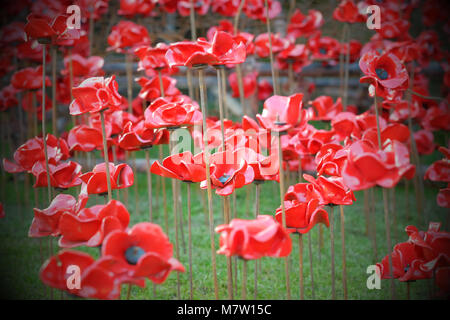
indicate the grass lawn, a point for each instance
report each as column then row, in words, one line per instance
column 20, row 257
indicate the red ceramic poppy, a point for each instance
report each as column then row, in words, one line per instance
column 170, row 6
column 262, row 44
column 8, row 97
column 264, row 167
column 222, row 50
column 63, row 175
column 394, row 27
column 367, row 166
column 325, row 49
column 437, row 117
column 345, row 125
column 89, row 226
column 32, row 152
column 151, row 89
column 183, row 166
column 302, row 216
column 325, row 108
column 406, row 264
column 308, row 140
column 443, row 197
column 402, row 109
column 144, row 250
column 228, row 172
column 27, row 103
column 2, row 211
column 130, row 8
column 48, row 30
column 330, row 159
column 256, row 9
column 385, row 72
column 225, row 8
column 355, row 50
column 94, row 182
column 12, row 33
column 46, row 221
column 83, row 66
column 95, row 95
column 248, row 82
column 440, row 169
column 254, row 239
column 85, row 138
column 347, row 11
column 295, row 54
column 424, row 141
column 127, row 36
column 201, row 7
column 29, row 79
column 394, row 131
column 304, row 26
column 154, row 58
column 31, row 50
column 282, row 113
column 265, row 90
column 136, row 136
column 331, row 190
column 163, row 113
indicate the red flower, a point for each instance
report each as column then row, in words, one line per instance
column 262, row 44
column 265, row 90
column 32, row 152
column 345, row 125
column 201, row 7
column 131, row 8
column 85, row 138
column 424, row 141
column 304, row 26
column 264, row 167
column 94, row 95
column 183, row 166
column 29, row 79
column 170, row 6
column 295, row 54
column 222, row 50
column 347, row 11
column 27, row 103
column 8, row 97
column 287, row 110
column 331, row 190
column 83, row 67
column 228, row 172
column 89, row 226
column 302, row 216
column 151, row 89
column 248, row 82
column 256, row 9
column 355, row 50
column 56, row 30
column 325, row 108
column 443, row 197
column 164, row 113
column 154, row 58
column 367, row 166
column 330, row 159
column 144, row 251
column 324, row 48
column 394, row 27
column 62, row 175
column 12, row 33
column 440, row 169
column 46, row 221
column 92, row 8
column 94, row 182
column 136, row 136
column 254, row 239
column 437, row 117
column 126, row 36
column 2, row 211
column 225, row 8
column 31, row 50
column 385, row 72
column 406, row 264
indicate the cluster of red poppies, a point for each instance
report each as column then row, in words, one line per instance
column 358, row 151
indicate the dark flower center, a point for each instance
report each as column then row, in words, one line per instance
column 406, row 268
column 323, row 51
column 382, row 73
column 133, row 254
column 224, row 178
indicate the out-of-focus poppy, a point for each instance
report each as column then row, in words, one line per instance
column 126, row 36
column 254, row 239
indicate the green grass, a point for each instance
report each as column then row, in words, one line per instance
column 20, row 258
